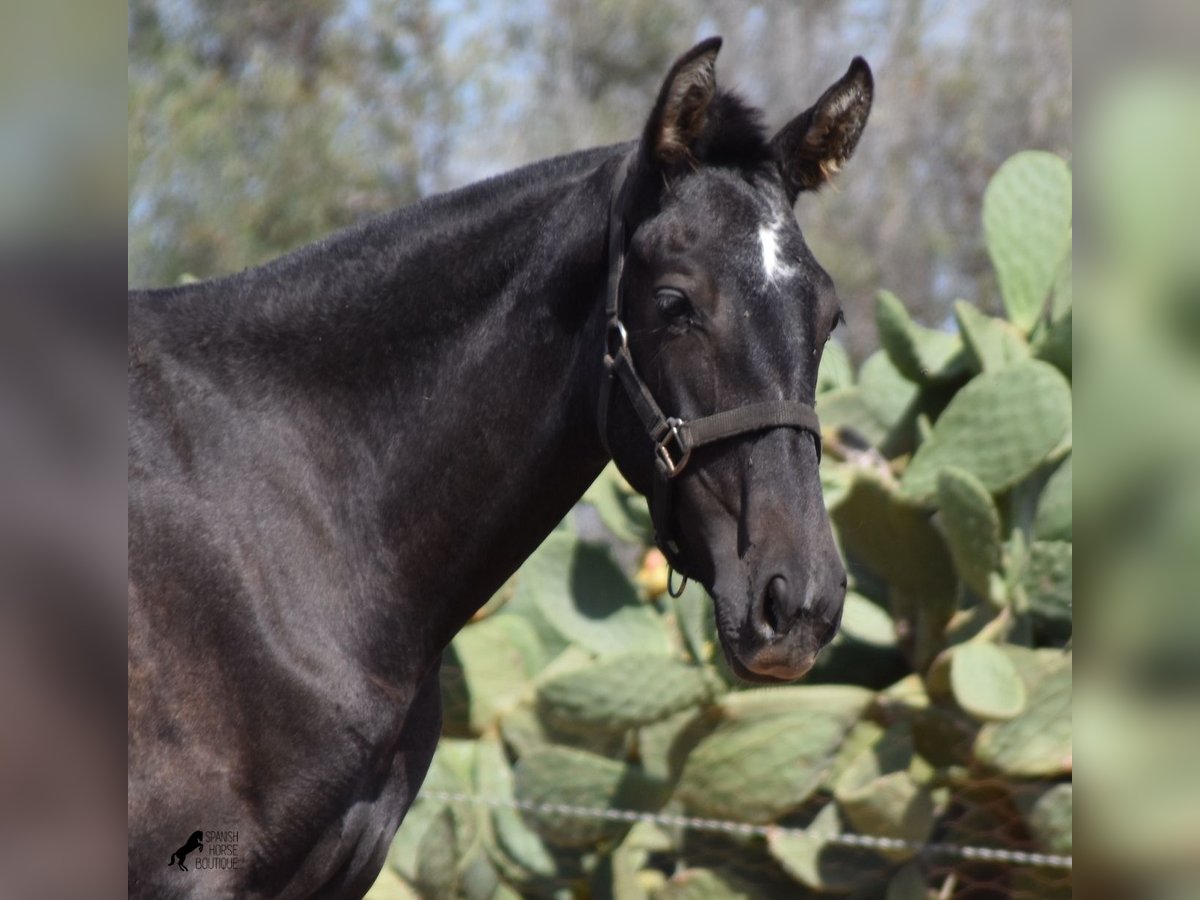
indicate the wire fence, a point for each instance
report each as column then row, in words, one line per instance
column 927, row 850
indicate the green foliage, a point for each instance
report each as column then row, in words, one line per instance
column 1000, row 427
column 985, row 681
column 920, row 354
column 1027, row 224
column 972, row 528
column 944, row 701
column 612, row 694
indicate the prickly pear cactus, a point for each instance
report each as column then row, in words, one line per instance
column 999, row 428
column 1027, row 225
column 972, row 528
column 611, row 694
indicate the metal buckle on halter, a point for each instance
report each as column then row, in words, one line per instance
column 664, row 453
column 610, row 355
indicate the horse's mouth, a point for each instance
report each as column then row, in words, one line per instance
column 771, row 673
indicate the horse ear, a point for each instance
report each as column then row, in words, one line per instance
column 815, row 144
column 681, row 111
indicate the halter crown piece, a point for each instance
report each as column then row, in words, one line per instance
column 673, row 438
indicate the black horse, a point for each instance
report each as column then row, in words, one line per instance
column 337, row 457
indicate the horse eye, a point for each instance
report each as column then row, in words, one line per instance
column 672, row 303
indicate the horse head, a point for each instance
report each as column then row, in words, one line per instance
column 724, row 308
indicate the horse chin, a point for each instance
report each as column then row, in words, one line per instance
column 766, row 666
column 774, row 674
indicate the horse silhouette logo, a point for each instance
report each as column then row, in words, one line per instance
column 195, row 842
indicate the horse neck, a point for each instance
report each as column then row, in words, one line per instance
column 444, row 362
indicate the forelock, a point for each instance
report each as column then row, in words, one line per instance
column 734, row 135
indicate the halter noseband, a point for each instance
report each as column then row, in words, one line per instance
column 674, row 438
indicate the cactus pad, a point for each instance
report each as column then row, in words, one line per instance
column 1000, row 427
column 1027, row 226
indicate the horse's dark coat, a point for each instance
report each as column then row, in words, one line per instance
column 337, row 457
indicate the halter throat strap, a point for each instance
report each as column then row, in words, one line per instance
column 673, row 438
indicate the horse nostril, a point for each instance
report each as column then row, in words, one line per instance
column 774, row 604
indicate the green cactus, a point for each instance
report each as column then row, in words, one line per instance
column 812, row 860
column 706, row 884
column 756, row 770
column 844, row 701
column 1037, row 743
column 584, row 596
column 1053, row 522
column 846, row 408
column 485, row 671
column 867, row 622
column 612, row 695
column 1000, row 427
column 879, row 795
column 972, row 528
column 621, row 509
column 390, row 886
column 835, row 371
column 1048, row 815
column 1054, row 345
column 908, row 884
column 560, row 775
column 886, row 393
column 985, row 682
column 920, row 354
column 991, row 343
column 1027, row 225
column 894, row 538
column 1047, row 583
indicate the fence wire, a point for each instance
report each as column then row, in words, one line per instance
column 869, row 842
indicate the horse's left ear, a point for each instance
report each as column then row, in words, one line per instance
column 681, row 111
column 815, row 144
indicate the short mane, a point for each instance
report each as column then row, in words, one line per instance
column 734, row 135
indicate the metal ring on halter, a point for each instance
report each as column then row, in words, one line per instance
column 670, row 466
column 610, row 354
column 671, row 578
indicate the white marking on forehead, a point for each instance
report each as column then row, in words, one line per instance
column 769, row 236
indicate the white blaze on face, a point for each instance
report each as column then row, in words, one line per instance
column 769, row 236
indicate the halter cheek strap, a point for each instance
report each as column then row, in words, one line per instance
column 673, row 438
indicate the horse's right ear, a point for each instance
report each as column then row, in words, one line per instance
column 681, row 111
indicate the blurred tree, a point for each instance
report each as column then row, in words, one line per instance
column 256, row 126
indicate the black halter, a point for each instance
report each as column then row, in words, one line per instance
column 674, row 438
